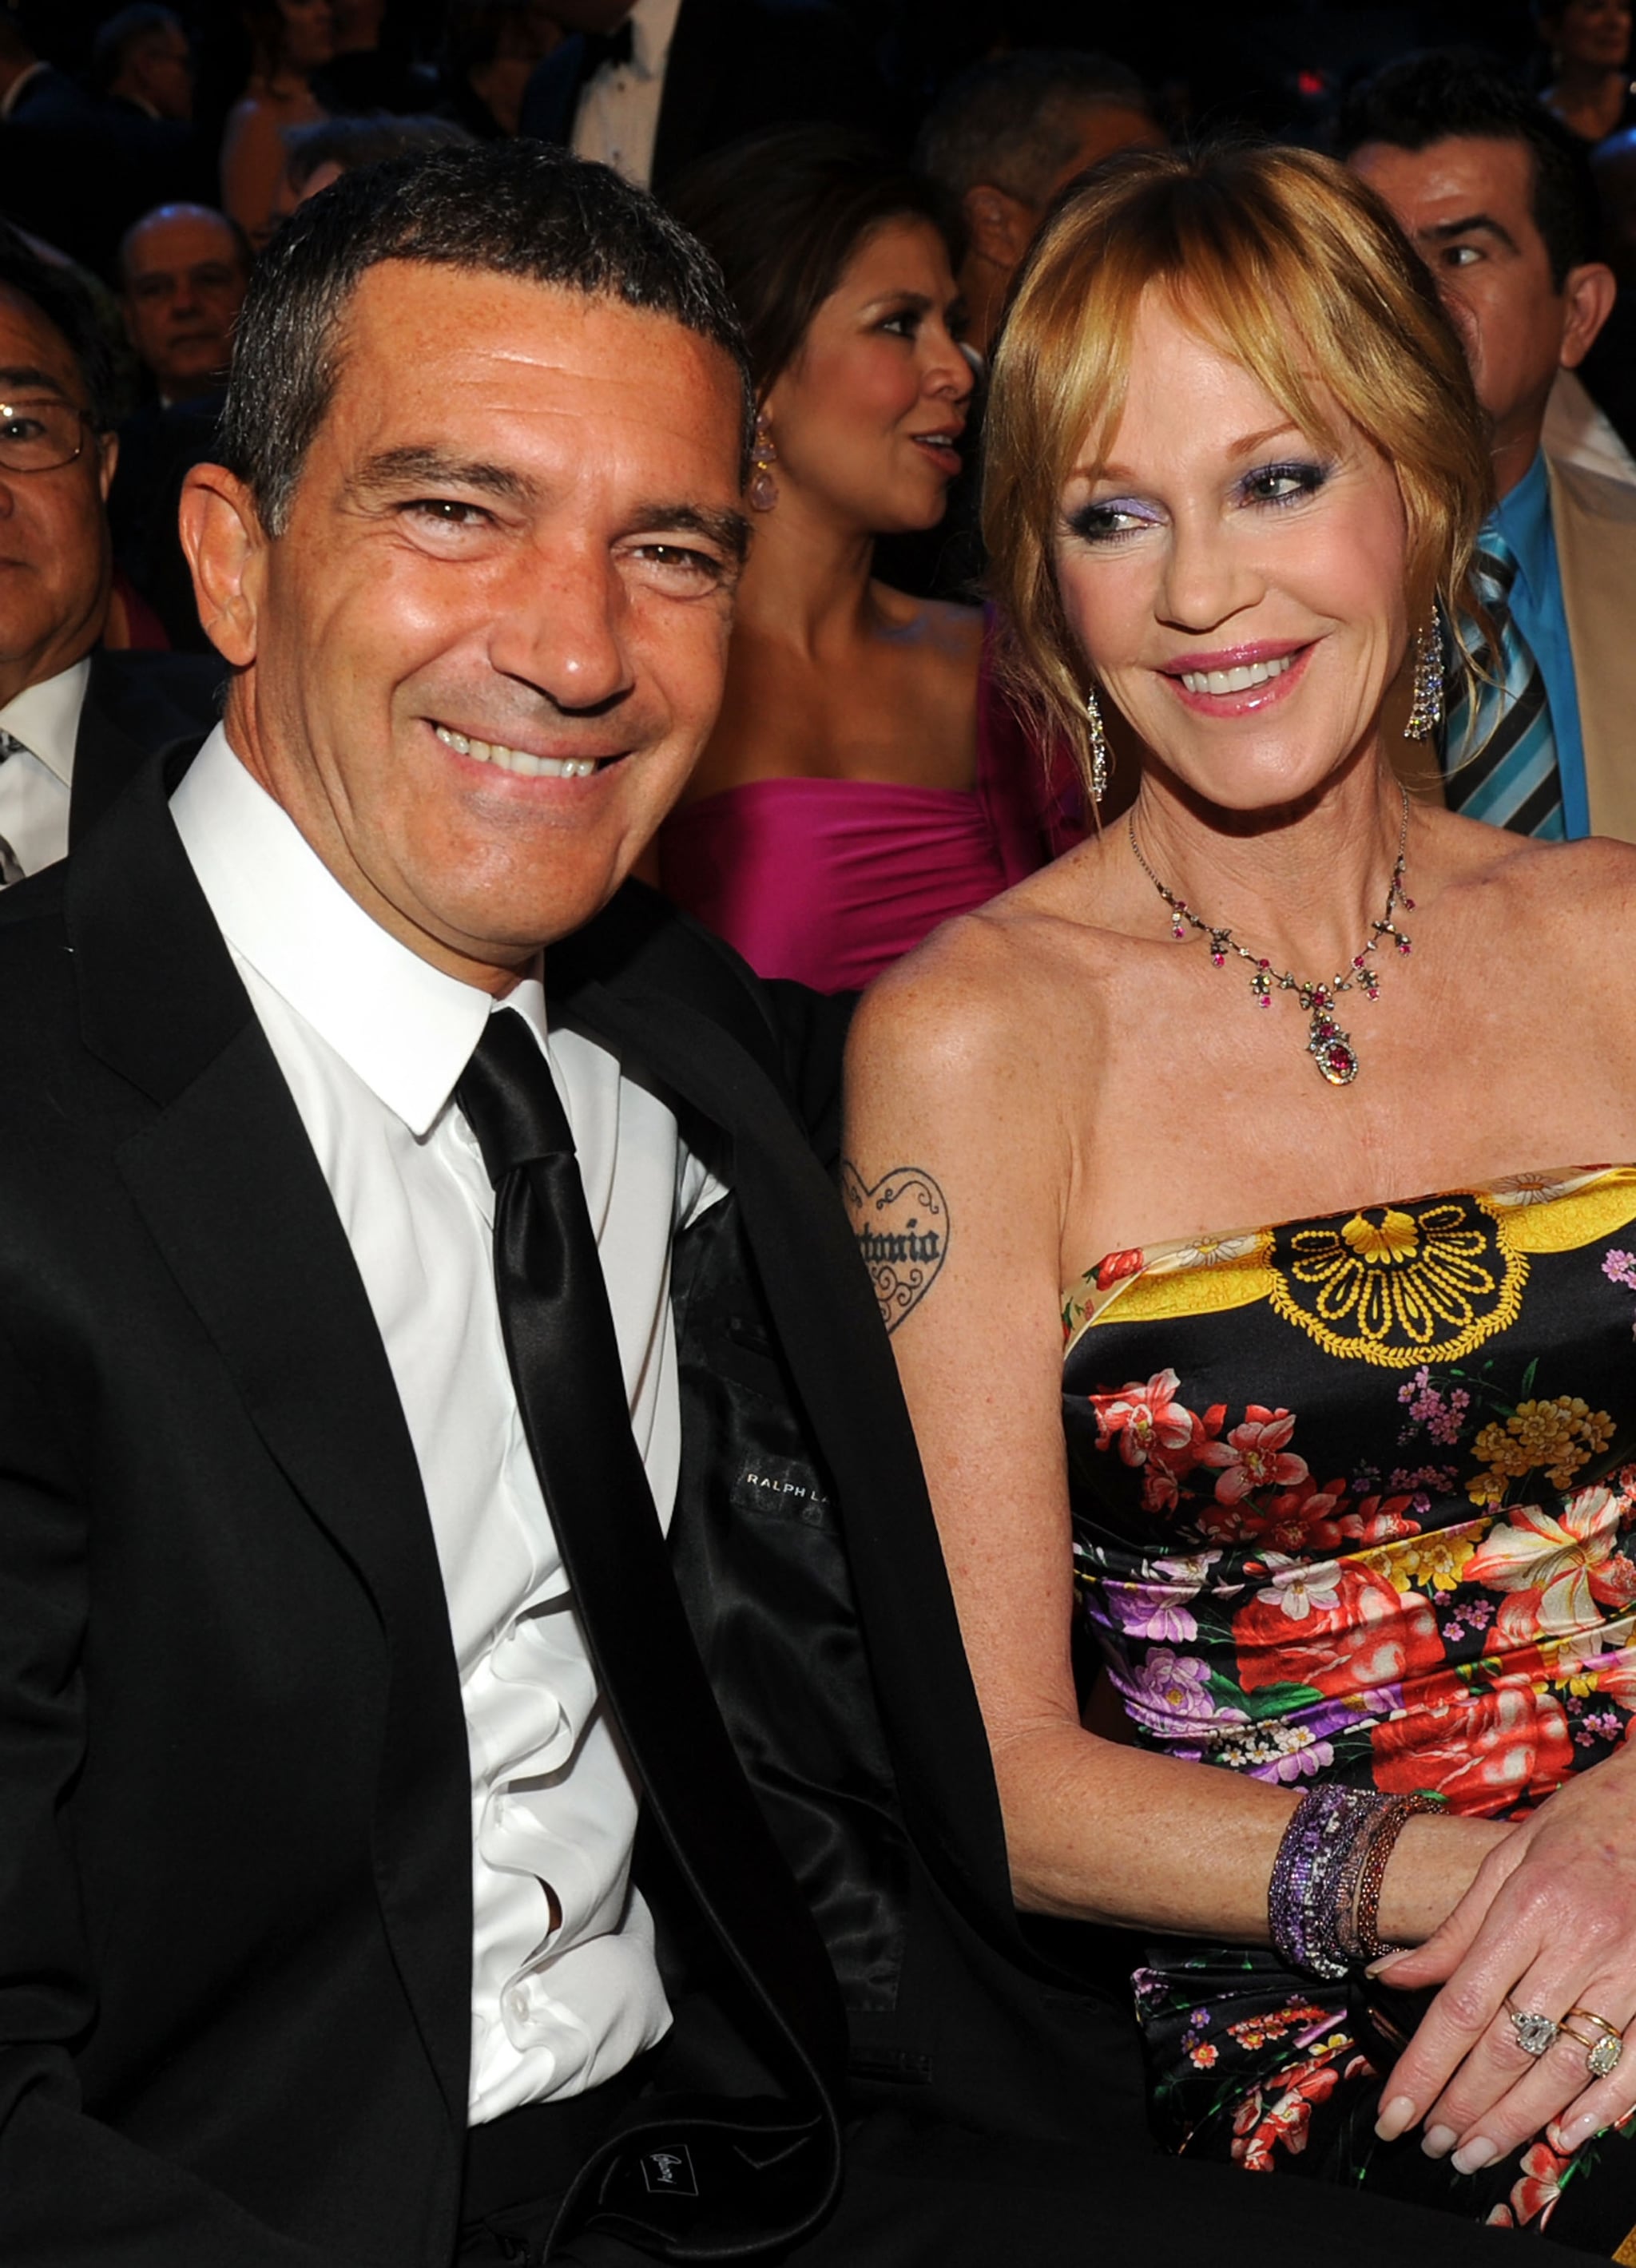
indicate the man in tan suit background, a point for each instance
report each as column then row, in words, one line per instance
column 1500, row 202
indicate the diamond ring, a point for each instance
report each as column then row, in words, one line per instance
column 1535, row 2035
column 1602, row 2056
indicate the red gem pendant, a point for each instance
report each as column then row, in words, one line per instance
column 1330, row 1049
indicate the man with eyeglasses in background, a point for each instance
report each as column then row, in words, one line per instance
column 76, row 720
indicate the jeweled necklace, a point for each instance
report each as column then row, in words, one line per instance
column 1330, row 1048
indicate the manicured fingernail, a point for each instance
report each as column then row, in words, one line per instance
column 1475, row 2156
column 1389, row 1961
column 1439, row 2141
column 1395, row 2116
column 1567, row 2138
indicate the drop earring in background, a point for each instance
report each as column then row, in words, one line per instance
column 763, row 488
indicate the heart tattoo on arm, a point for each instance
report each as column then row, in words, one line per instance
column 901, row 1225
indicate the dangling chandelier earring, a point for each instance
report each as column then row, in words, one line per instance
column 1426, row 712
column 763, row 488
column 1102, row 755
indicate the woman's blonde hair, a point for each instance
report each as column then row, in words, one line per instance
column 1300, row 274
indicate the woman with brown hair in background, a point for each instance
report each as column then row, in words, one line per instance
column 290, row 41
column 860, row 786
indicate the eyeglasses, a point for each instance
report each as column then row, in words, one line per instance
column 37, row 437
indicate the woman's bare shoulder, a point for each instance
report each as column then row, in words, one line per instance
column 997, row 990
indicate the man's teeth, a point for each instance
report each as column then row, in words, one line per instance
column 516, row 760
column 1237, row 681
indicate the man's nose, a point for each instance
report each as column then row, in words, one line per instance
column 561, row 627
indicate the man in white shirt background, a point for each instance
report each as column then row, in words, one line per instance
column 76, row 720
column 645, row 85
column 384, row 1879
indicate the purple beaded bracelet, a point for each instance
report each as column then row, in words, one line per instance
column 1311, row 1895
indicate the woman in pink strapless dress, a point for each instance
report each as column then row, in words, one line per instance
column 866, row 779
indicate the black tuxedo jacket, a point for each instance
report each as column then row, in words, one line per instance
column 235, row 1920
column 135, row 703
column 735, row 66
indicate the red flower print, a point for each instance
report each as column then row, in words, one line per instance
column 1357, row 1634
column 1372, row 1520
column 1484, row 1752
column 1144, row 1419
column 1253, row 1456
column 1258, row 2129
column 1296, row 1520
column 1541, row 2169
column 1116, row 1267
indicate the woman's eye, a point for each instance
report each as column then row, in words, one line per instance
column 904, row 325
column 1098, row 523
column 1284, row 483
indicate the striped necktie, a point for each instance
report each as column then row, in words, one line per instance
column 1510, row 774
column 10, row 865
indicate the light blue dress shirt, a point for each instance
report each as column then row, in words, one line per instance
column 1523, row 519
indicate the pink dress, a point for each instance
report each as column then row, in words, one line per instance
column 829, row 880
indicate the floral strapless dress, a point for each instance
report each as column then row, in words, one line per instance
column 1354, row 1500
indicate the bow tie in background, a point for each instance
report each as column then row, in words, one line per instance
column 11, row 865
column 606, row 47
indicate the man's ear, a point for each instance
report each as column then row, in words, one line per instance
column 1001, row 227
column 107, row 462
column 222, row 534
column 1588, row 298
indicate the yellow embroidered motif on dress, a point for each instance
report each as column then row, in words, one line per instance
column 1397, row 1286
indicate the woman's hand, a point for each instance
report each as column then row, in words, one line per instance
column 1549, row 1924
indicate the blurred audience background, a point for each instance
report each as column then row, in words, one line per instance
column 148, row 151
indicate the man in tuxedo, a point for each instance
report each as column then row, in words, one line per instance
column 646, row 86
column 76, row 720
column 404, row 1856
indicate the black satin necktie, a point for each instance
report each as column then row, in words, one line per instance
column 565, row 1368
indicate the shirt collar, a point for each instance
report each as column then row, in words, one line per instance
column 405, row 1027
column 652, row 27
column 45, row 717
column 1523, row 518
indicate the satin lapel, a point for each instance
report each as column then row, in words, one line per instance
column 1594, row 523
column 106, row 759
column 227, row 1183
column 831, row 1330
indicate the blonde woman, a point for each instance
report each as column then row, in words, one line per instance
column 1276, row 1348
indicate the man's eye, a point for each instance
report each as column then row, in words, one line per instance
column 1461, row 255
column 20, row 427
column 682, row 559
column 446, row 512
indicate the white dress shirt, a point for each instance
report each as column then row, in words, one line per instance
column 371, row 1040
column 617, row 120
column 34, row 787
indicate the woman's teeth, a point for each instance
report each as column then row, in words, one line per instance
column 1241, row 679
column 516, row 760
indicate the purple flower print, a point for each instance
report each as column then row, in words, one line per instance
column 1620, row 1268
column 1169, row 1692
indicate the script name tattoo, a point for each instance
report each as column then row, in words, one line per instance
column 901, row 1225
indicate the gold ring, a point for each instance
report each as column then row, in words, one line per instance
column 1615, row 2031
column 1600, row 2056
